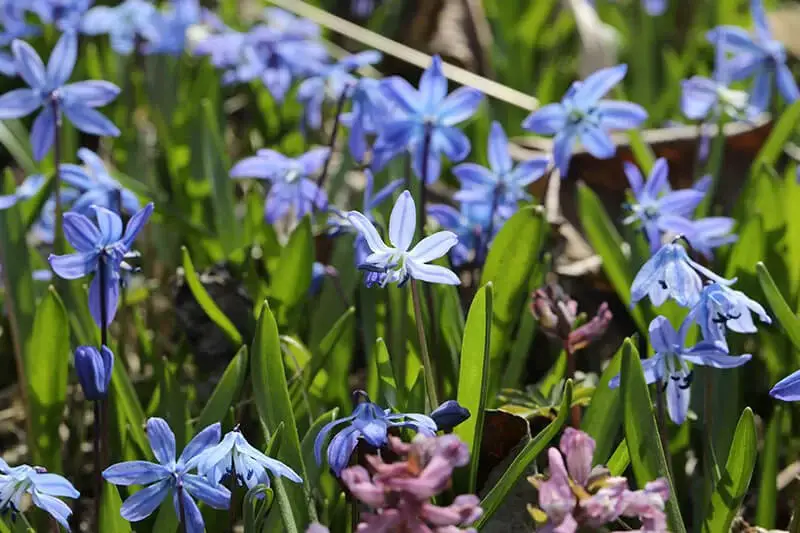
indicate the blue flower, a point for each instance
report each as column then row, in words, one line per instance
column 449, row 415
column 787, row 389
column 655, row 8
column 42, row 486
column 396, row 261
column 169, row 475
column 369, row 108
column 122, row 23
column 656, row 203
column 502, row 183
column 96, row 185
column 428, row 109
column 43, row 230
column 27, row 189
column 48, row 91
column 669, row 364
column 165, row 31
column 14, row 26
column 291, row 187
column 470, row 225
column 331, row 82
column 705, row 234
column 757, row 55
column 670, row 273
column 582, row 115
column 64, row 14
column 94, row 368
column 371, row 423
column 99, row 247
column 338, row 221
column 250, row 465
column 721, row 307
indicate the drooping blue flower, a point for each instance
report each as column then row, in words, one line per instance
column 705, row 234
column 102, row 246
column 49, row 90
column 331, row 83
column 669, row 364
column 250, row 465
column 94, row 368
column 370, row 423
column 44, row 488
column 428, row 109
column 27, row 189
column 758, row 55
column 470, row 224
column 170, row 475
column 721, row 307
column 122, row 23
column 397, row 262
column 97, row 186
column 449, row 415
column 63, row 14
column 502, row 184
column 670, row 273
column 369, row 108
column 165, row 30
column 292, row 188
column 582, row 115
column 656, row 203
column 787, row 389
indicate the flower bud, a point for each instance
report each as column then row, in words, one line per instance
column 578, row 448
column 94, row 370
column 592, row 330
column 449, row 415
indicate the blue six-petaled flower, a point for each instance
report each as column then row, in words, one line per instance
column 41, row 485
column 27, row 189
column 122, row 23
column 97, row 186
column 721, row 307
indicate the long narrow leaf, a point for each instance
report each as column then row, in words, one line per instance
column 787, row 319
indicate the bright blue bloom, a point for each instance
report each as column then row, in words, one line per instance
column 428, row 109
column 705, row 234
column 397, row 261
column 165, row 31
column 99, row 246
column 449, row 415
column 292, row 188
column 122, row 23
column 721, row 307
column 42, row 486
column 371, row 423
column 757, row 55
column 470, row 225
column 49, row 91
column 669, row 364
column 502, row 183
column 94, row 369
column 250, row 465
column 64, row 14
column 787, row 389
column 656, row 203
column 582, row 115
column 96, row 186
column 331, row 82
column 368, row 110
column 170, row 475
column 27, row 189
column 670, row 273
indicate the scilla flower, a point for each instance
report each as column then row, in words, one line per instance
column 42, row 486
column 27, row 189
column 397, row 262
column 94, row 368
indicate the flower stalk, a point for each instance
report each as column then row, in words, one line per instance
column 58, row 242
column 332, row 143
column 430, row 377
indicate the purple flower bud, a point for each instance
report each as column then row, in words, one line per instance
column 449, row 415
column 94, row 370
column 578, row 448
column 555, row 495
column 592, row 330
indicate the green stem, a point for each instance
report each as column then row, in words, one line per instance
column 427, row 366
column 714, row 167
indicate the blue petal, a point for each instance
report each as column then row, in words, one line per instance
column 18, row 103
column 110, row 292
column 135, row 225
column 452, row 142
column 383, row 194
column 75, row 176
column 90, row 120
column 616, row 115
column 787, row 85
column 698, row 96
column 81, row 233
column 162, row 440
column 447, row 216
column 736, row 39
column 635, row 179
column 194, row 519
column 597, row 85
column 367, row 230
column 663, row 337
column 761, row 93
column 459, row 106
column 547, row 120
column 54, row 485
column 319, row 440
column 597, row 142
column 472, row 175
column 677, row 400
column 208, row 437
column 110, row 225
column 787, row 389
column 135, row 473
column 143, row 503
column 43, row 132
column 760, row 20
column 563, row 145
column 499, row 156
column 62, row 60
column 711, row 354
column 652, row 372
column 98, row 20
column 433, row 246
column 53, row 506
column 91, row 93
column 681, row 203
column 528, row 172
column 400, row 92
column 402, row 222
column 29, row 64
column 432, row 273
column 217, row 496
column 73, row 266
column 655, row 8
column 658, row 181
column 313, row 160
column 340, row 449
column 253, row 167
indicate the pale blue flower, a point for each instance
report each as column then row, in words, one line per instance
column 122, row 23
column 721, row 307
column 704, row 234
column 64, row 14
column 97, row 186
column 471, row 226
column 787, row 389
column 369, row 108
column 43, row 488
column 165, row 30
column 27, row 189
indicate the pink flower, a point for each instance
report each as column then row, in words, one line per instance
column 555, row 495
column 578, row 448
column 648, row 505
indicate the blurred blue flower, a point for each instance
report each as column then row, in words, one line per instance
column 655, row 8
column 371, row 423
column 96, row 186
column 292, row 188
column 470, row 225
column 757, row 55
column 249, row 464
column 331, row 82
column 721, row 307
column 669, row 364
column 101, row 246
column 42, row 486
column 368, row 109
column 429, row 109
column 656, row 203
column 397, row 261
column 122, row 23
column 165, row 30
column 338, row 221
column 27, row 189
column 169, row 475
column 787, row 389
column 94, row 369
column 64, row 14
column 449, row 415
column 48, row 90
column 502, row 183
column 582, row 115
column 13, row 26
column 705, row 234
column 670, row 273
column 43, row 230
column 363, row 8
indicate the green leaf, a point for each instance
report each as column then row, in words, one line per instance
column 606, row 241
column 767, row 504
column 732, row 486
column 644, row 155
column 387, row 387
column 473, row 382
column 603, row 417
column 619, row 460
column 787, row 319
column 14, row 137
column 642, row 435
column 313, row 470
column 526, row 456
column 110, row 519
column 47, row 372
column 206, row 303
column 781, row 133
column 292, row 277
column 256, row 504
column 226, row 392
column 274, row 406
